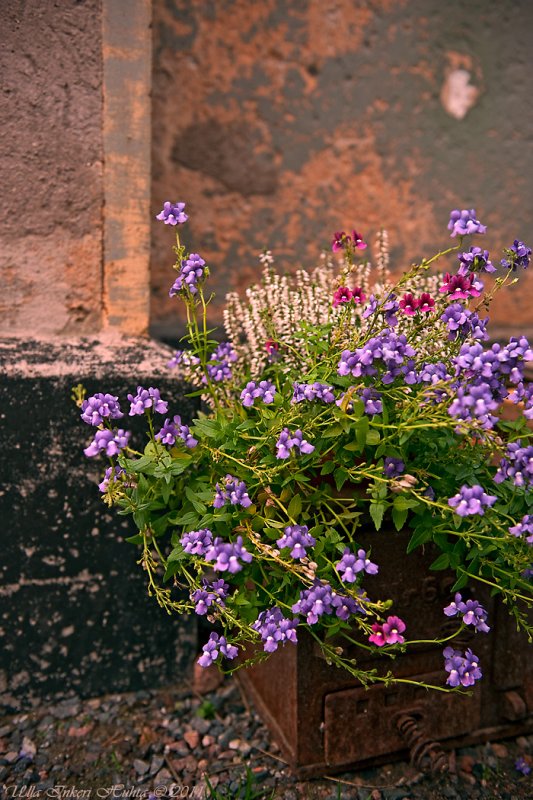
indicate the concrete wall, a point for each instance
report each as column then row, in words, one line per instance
column 280, row 122
column 51, row 166
column 75, row 166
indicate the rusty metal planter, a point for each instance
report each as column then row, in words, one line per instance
column 325, row 720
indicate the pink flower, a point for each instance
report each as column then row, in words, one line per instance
column 388, row 633
column 340, row 240
column 461, row 287
column 378, row 637
column 392, row 630
column 426, row 303
column 358, row 295
column 271, row 346
column 409, row 304
column 358, row 241
column 342, row 295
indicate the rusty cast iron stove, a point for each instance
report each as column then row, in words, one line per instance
column 326, row 721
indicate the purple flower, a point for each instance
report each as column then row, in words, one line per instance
column 390, row 309
column 393, row 467
column 173, row 213
column 264, row 390
column 197, row 543
column 147, row 398
column 288, row 441
column 345, row 606
column 517, row 466
column 173, row 430
column 471, row 611
column 226, row 555
column 190, row 274
column 372, row 401
column 525, row 526
column 215, row 646
column 475, row 402
column 471, row 500
column 518, row 255
column 463, row 670
column 350, row 565
column 298, row 538
column 110, row 442
column 112, row 475
column 371, row 307
column 475, row 259
column 183, row 358
column 464, row 222
column 313, row 391
column 461, row 286
column 315, row 602
column 99, row 407
column 521, row 765
column 275, row 629
column 231, row 491
column 524, row 394
column 387, row 349
column 211, row 594
column 464, row 323
column 219, row 365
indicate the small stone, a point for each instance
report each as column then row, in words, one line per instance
column 5, row 730
column 500, row 750
column 80, row 732
column 466, row 763
column 155, row 764
column 468, row 778
column 375, row 795
column 140, row 767
column 206, row 679
column 192, row 738
column 522, row 743
column 207, row 740
column 200, row 724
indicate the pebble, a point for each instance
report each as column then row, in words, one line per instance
column 192, row 738
column 140, row 767
column 126, row 739
column 499, row 750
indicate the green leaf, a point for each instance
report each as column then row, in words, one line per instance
column 442, row 562
column 190, row 519
column 341, row 475
column 420, row 536
column 201, row 508
column 373, row 437
column 332, row 431
column 399, row 517
column 460, row 583
column 361, row 430
column 137, row 539
column 377, row 510
column 402, row 503
column 327, row 468
column 295, row 507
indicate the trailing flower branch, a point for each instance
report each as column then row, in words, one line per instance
column 342, row 409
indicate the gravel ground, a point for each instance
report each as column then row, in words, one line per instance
column 165, row 743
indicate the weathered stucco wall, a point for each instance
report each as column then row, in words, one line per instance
column 280, row 122
column 51, row 167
